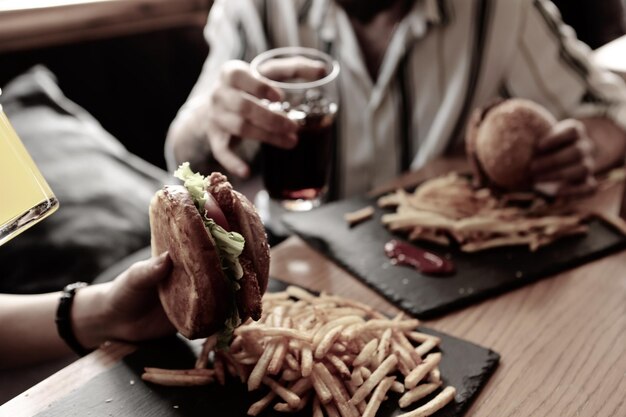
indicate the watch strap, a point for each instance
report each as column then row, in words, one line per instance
column 64, row 318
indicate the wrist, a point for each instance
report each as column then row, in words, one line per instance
column 89, row 322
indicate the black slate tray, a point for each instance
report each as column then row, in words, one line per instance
column 479, row 275
column 121, row 392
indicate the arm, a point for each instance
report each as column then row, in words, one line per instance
column 126, row 309
column 554, row 69
column 224, row 105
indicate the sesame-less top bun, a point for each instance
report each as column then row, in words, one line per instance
column 501, row 141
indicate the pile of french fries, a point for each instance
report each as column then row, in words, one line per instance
column 340, row 355
column 448, row 207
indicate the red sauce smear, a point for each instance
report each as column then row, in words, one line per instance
column 426, row 262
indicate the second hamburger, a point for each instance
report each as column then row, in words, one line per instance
column 501, row 142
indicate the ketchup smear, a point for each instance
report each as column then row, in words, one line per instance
column 424, row 261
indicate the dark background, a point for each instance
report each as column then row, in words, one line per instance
column 132, row 85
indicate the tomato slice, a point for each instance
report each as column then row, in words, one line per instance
column 213, row 211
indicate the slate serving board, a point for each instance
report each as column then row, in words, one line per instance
column 479, row 275
column 120, row 391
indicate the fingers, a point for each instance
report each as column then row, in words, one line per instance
column 237, row 125
column 570, row 155
column 236, row 74
column 579, row 190
column 562, row 134
column 255, row 113
column 222, row 152
column 147, row 274
column 570, row 173
column 564, row 157
column 281, row 69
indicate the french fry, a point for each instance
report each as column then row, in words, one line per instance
column 276, row 363
column 377, row 397
column 290, row 375
column 434, row 405
column 174, row 380
column 435, row 376
column 256, row 408
column 406, row 346
column 378, row 375
column 345, row 407
column 276, row 332
column 420, row 371
column 207, row 346
column 331, row 410
column 397, row 325
column 417, row 394
column 356, row 378
column 286, row 408
column 289, row 396
column 323, row 393
column 306, row 360
column 317, row 408
column 365, row 356
column 197, row 372
column 292, row 362
column 383, row 347
column 398, row 387
column 340, row 366
column 327, row 341
column 428, row 345
column 257, row 374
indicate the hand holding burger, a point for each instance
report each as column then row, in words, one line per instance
column 518, row 145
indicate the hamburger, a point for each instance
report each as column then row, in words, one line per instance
column 219, row 252
column 501, row 142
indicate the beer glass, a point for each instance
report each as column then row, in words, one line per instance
column 25, row 197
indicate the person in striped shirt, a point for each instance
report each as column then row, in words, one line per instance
column 412, row 71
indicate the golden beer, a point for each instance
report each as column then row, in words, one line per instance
column 25, row 197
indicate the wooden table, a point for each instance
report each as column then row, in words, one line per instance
column 562, row 339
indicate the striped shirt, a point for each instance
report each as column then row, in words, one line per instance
column 444, row 58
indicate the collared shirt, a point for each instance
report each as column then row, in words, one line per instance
column 445, row 58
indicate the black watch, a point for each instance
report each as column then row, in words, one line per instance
column 64, row 318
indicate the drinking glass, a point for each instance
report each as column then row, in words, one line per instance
column 25, row 197
column 298, row 178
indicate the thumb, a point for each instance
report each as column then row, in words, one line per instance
column 147, row 274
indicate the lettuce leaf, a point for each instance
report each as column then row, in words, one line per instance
column 195, row 183
column 229, row 244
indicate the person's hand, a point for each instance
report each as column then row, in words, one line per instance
column 126, row 309
column 235, row 108
column 564, row 163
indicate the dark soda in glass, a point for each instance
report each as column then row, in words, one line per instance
column 302, row 173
